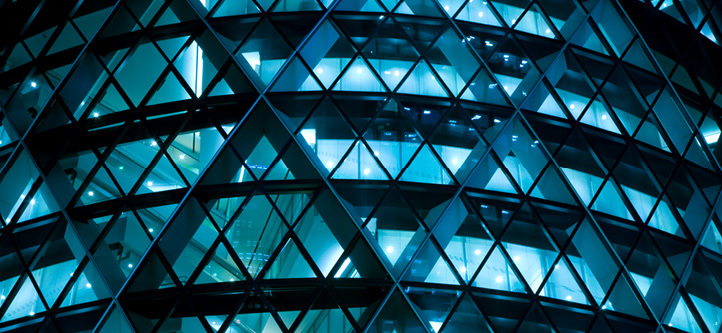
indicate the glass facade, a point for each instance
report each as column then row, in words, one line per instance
column 360, row 165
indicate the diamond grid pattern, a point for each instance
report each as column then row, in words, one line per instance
column 359, row 165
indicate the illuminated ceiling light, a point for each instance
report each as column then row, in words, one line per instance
column 359, row 70
column 568, row 298
column 367, row 171
column 95, row 115
column 150, row 230
column 427, row 112
column 477, row 252
column 182, row 156
column 329, row 164
column 389, row 249
column 396, row 73
column 548, row 31
column 499, row 279
column 462, row 270
column 454, row 161
column 572, row 106
column 149, row 183
column 481, row 14
column 88, row 285
column 604, row 117
column 33, row 84
column 319, row 70
column 91, row 193
column 130, row 265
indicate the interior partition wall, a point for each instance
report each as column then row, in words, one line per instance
column 360, row 165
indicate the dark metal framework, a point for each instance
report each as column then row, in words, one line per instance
column 188, row 165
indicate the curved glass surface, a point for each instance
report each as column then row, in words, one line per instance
column 357, row 165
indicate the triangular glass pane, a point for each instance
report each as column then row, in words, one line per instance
column 359, row 77
column 458, row 144
column 552, row 186
column 489, row 176
column 296, row 77
column 111, row 102
column 359, row 6
column 426, row 168
column 361, row 263
column 422, row 81
column 562, row 285
column 542, row 101
column 36, row 42
column 422, row 8
column 535, row 23
column 681, row 317
column 478, row 12
column 498, row 274
column 171, row 46
column 68, row 38
column 430, row 267
column 26, row 303
column 397, row 315
column 587, row 38
column 170, row 90
column 89, row 287
column 484, row 89
column 220, row 268
column 163, row 177
column 233, row 8
column 289, row 264
column 294, row 164
column 623, row 300
column 712, row 239
column 597, row 116
column 359, row 164
column 167, row 18
column 295, row 6
column 609, row 201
